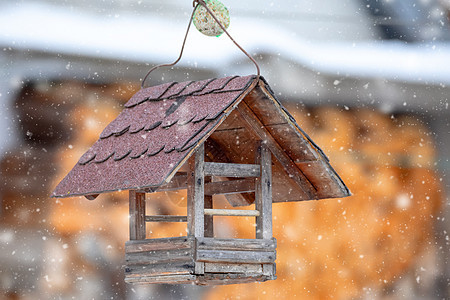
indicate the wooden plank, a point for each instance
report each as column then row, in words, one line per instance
column 159, row 244
column 196, row 200
column 176, row 267
column 166, row 279
column 236, row 278
column 178, row 182
column 195, row 194
column 230, row 187
column 255, row 125
column 165, row 218
column 158, row 256
column 269, row 269
column 231, row 170
column 209, row 220
column 319, row 173
column 137, row 215
column 233, row 268
column 236, row 256
column 263, row 196
column 232, row 212
column 217, row 152
column 212, row 188
column 236, row 244
column 293, row 142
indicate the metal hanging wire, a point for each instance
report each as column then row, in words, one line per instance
column 196, row 3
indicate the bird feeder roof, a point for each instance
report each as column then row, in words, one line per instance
column 161, row 127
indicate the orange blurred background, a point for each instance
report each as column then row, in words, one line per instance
column 376, row 243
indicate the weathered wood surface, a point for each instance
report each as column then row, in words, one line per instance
column 269, row 269
column 237, row 244
column 236, row 256
column 158, row 256
column 137, row 215
column 232, row 170
column 230, row 278
column 175, row 267
column 165, row 218
column 233, row 268
column 230, row 187
column 263, row 196
column 196, row 199
column 159, row 244
column 218, row 153
column 255, row 125
column 318, row 173
column 289, row 137
column 209, row 220
column 195, row 194
column 166, row 279
column 211, row 188
column 178, row 182
column 232, row 212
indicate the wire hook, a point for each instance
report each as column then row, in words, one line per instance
column 195, row 4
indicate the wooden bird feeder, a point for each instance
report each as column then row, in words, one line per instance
column 228, row 136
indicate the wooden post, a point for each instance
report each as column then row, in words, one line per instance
column 195, row 199
column 209, row 221
column 137, row 215
column 263, row 193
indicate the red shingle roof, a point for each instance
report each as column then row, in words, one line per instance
column 152, row 135
column 161, row 126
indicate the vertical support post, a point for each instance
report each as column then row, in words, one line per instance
column 137, row 215
column 263, row 193
column 209, row 221
column 195, row 199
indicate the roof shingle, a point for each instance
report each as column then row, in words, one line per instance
column 151, row 136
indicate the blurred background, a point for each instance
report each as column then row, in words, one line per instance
column 368, row 80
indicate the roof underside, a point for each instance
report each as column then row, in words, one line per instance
column 161, row 126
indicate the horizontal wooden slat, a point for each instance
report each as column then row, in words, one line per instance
column 236, row 244
column 176, row 267
column 232, row 170
column 167, row 279
column 165, row 218
column 231, row 212
column 159, row 244
column 235, row 256
column 230, row 187
column 233, row 268
column 231, row 278
column 158, row 256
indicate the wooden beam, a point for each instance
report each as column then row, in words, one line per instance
column 209, row 220
column 237, row 244
column 231, row 170
column 254, row 125
column 215, row 152
column 137, row 215
column 196, row 199
column 165, row 218
column 230, row 187
column 181, row 242
column 196, row 193
column 212, row 188
column 236, row 256
column 263, row 194
column 232, row 212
